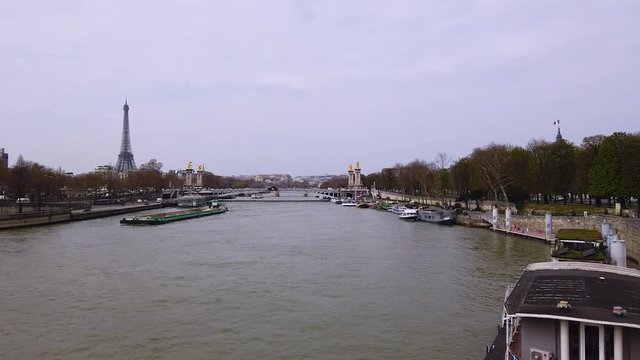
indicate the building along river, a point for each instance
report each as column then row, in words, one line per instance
column 263, row 281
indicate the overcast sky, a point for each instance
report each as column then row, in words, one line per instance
column 308, row 87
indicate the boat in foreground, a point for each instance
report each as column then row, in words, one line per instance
column 164, row 218
column 571, row 310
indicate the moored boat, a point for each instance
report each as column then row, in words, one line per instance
column 397, row 209
column 348, row 202
column 570, row 310
column 579, row 245
column 408, row 214
column 437, row 215
column 192, row 201
column 383, row 206
column 164, row 218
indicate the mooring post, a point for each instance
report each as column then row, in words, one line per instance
column 494, row 217
column 548, row 226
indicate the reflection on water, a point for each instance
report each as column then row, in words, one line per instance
column 265, row 280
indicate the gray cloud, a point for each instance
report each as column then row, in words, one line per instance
column 308, row 87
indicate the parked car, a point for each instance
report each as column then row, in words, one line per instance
column 23, row 200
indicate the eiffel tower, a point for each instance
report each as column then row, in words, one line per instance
column 125, row 158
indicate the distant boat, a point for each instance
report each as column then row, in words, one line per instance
column 191, row 201
column 383, row 206
column 348, row 202
column 164, row 218
column 408, row 214
column 437, row 215
column 398, row 209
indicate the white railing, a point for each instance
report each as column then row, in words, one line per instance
column 510, row 322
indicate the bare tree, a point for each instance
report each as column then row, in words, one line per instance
column 492, row 162
column 443, row 161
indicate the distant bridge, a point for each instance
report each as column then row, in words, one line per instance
column 231, row 193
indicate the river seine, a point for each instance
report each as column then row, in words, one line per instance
column 262, row 281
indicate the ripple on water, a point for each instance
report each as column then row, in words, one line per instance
column 268, row 281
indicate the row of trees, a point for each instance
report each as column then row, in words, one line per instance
column 600, row 167
column 40, row 183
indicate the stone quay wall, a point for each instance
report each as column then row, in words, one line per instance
column 432, row 201
column 627, row 228
column 58, row 216
column 27, row 220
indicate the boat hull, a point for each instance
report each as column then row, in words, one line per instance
column 407, row 217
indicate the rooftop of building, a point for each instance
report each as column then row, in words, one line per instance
column 592, row 291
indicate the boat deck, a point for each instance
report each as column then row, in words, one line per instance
column 497, row 349
column 164, row 218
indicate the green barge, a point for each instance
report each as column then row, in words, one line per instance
column 163, row 218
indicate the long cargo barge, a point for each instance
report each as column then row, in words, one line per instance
column 164, row 218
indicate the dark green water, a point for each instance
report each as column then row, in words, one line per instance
column 263, row 281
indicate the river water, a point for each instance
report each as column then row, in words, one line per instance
column 263, row 281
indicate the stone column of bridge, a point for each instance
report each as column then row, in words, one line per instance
column 199, row 175
column 357, row 180
column 188, row 181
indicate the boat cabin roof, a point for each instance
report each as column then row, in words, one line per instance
column 592, row 291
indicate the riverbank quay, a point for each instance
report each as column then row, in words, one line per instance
column 533, row 226
column 95, row 213
column 277, row 200
column 38, row 218
column 423, row 200
column 430, row 201
column 13, row 221
column 533, row 235
column 470, row 219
